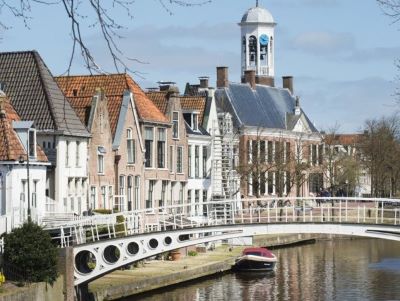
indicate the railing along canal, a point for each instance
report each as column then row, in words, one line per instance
column 339, row 210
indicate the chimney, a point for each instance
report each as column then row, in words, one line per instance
column 250, row 78
column 166, row 86
column 288, row 83
column 222, row 77
column 2, row 104
column 204, row 81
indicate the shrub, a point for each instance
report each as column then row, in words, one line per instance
column 102, row 211
column 192, row 253
column 30, row 249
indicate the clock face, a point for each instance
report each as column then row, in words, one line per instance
column 264, row 39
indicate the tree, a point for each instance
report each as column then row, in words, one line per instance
column 101, row 15
column 380, row 152
column 29, row 248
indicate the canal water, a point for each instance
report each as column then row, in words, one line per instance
column 356, row 269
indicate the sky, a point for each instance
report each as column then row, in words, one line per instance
column 341, row 53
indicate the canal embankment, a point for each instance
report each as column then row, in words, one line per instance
column 156, row 274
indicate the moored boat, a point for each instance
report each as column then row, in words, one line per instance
column 255, row 259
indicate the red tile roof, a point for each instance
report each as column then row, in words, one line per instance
column 346, row 139
column 80, row 90
column 188, row 103
column 11, row 147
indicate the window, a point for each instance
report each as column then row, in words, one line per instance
column 196, row 201
column 67, row 154
column 205, row 161
column 195, row 122
column 204, row 201
column 163, row 194
column 137, row 192
column 77, row 158
column 103, row 195
column 32, row 143
column 252, row 50
column 270, row 182
column 100, row 159
column 149, row 201
column 130, row 146
column 270, row 152
column 175, row 125
column 196, row 161
column 148, row 134
column 121, row 192
column 93, row 197
column 34, row 194
column 179, row 157
column 110, row 196
column 171, row 159
column 130, row 191
column 161, row 148
column 190, row 161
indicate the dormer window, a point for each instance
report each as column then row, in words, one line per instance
column 32, row 143
column 192, row 119
column 195, row 122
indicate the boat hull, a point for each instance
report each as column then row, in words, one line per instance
column 250, row 265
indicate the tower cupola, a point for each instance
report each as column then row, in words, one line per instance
column 257, row 34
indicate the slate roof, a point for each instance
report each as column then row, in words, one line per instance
column 201, row 132
column 11, row 147
column 35, row 95
column 266, row 107
column 81, row 88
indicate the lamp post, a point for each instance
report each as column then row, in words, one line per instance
column 21, row 160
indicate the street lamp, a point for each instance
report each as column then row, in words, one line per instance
column 21, row 160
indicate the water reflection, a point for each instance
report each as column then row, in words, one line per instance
column 359, row 269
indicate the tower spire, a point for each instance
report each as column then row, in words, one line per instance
column 256, row 3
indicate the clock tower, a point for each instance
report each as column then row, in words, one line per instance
column 257, row 43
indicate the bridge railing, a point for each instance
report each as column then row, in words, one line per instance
column 225, row 212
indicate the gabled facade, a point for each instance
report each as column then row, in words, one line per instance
column 198, row 150
column 23, row 167
column 36, row 96
column 110, row 105
column 167, row 185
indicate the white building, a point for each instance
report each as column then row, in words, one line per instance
column 22, row 170
column 36, row 96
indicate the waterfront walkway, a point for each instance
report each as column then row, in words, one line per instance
column 161, row 273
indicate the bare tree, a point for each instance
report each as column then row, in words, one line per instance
column 380, row 152
column 101, row 15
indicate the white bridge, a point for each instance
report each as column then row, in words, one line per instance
column 103, row 243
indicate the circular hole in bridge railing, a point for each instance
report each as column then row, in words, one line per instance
column 111, row 254
column 133, row 248
column 153, row 243
column 85, row 262
column 184, row 237
column 167, row 240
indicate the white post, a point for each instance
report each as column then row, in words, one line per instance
column 251, row 213
column 311, row 216
column 358, row 213
column 395, row 216
column 382, row 213
column 286, row 214
column 322, row 212
column 364, row 215
column 340, row 211
column 241, row 215
column 259, row 215
column 376, row 212
column 346, row 209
